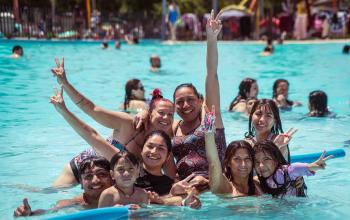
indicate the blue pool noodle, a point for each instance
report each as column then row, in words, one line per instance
column 97, row 214
column 309, row 158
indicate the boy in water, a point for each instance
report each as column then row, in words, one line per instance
column 125, row 168
column 95, row 178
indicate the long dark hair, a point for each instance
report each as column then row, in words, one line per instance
column 230, row 152
column 318, row 104
column 276, row 128
column 130, row 85
column 244, row 88
column 274, row 89
column 268, row 147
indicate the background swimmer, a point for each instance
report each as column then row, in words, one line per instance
column 318, row 104
column 280, row 94
column 248, row 88
column 155, row 63
column 17, row 51
column 134, row 100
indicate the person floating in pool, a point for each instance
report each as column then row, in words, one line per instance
column 172, row 17
column 155, row 63
column 117, row 44
column 318, row 104
column 280, row 95
column 269, row 49
column 104, row 45
column 276, row 176
column 346, row 49
column 134, row 100
column 95, row 178
column 248, row 88
column 17, row 52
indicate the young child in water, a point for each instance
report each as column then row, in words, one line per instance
column 276, row 176
column 125, row 168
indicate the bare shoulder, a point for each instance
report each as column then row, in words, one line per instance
column 137, row 104
column 240, row 107
column 258, row 190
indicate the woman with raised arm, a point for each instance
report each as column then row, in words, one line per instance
column 235, row 177
column 124, row 136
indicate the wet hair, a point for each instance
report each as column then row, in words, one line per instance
column 267, row 49
column 93, row 161
column 104, row 44
column 274, row 89
column 346, row 49
column 244, row 88
column 17, row 47
column 127, row 156
column 130, row 85
column 268, row 147
column 276, row 128
column 230, row 152
column 156, row 97
column 135, row 39
column 188, row 85
column 318, row 104
column 164, row 135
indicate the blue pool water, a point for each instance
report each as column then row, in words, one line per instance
column 36, row 142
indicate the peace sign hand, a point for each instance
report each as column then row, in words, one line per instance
column 213, row 26
column 282, row 140
column 59, row 71
column 57, row 99
column 208, row 123
column 320, row 163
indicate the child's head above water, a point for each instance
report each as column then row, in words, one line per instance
column 318, row 104
column 125, row 169
column 267, row 158
column 264, row 117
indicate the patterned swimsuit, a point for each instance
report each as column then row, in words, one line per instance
column 190, row 155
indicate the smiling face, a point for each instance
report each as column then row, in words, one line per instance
column 264, row 165
column 282, row 89
column 254, row 90
column 162, row 116
column 241, row 164
column 125, row 173
column 155, row 152
column 94, row 180
column 263, row 119
column 187, row 104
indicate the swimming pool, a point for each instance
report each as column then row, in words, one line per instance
column 36, row 142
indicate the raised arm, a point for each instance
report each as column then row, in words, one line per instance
column 110, row 119
column 85, row 131
column 212, row 89
column 219, row 184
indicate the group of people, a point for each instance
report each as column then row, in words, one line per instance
column 152, row 158
column 248, row 92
